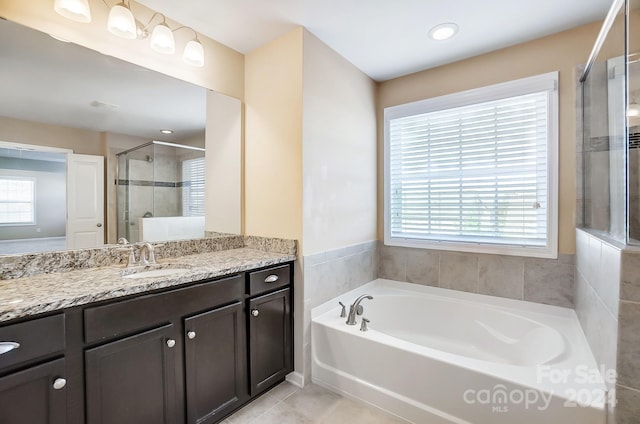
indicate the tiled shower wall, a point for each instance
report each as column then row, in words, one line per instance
column 608, row 305
column 628, row 388
column 547, row 281
column 596, row 297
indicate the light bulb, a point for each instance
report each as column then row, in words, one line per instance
column 443, row 31
column 162, row 39
column 193, row 54
column 121, row 22
column 76, row 10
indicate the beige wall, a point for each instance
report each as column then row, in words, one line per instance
column 273, row 138
column 28, row 132
column 223, row 70
column 223, row 164
column 561, row 52
column 339, row 151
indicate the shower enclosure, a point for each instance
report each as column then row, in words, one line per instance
column 609, row 181
column 160, row 192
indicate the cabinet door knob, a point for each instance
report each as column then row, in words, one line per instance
column 272, row 278
column 59, row 383
column 171, row 343
column 255, row 312
column 191, row 335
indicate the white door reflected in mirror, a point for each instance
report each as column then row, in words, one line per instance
column 85, row 201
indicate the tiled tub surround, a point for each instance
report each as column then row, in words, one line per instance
column 329, row 274
column 608, row 305
column 596, row 295
column 49, row 292
column 548, row 281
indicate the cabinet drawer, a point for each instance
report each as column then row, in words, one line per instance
column 128, row 316
column 269, row 279
column 35, row 339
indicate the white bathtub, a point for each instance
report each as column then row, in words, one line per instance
column 440, row 356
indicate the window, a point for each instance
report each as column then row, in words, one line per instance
column 17, row 201
column 475, row 171
column 193, row 187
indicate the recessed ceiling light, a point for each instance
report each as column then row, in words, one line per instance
column 166, row 131
column 443, row 31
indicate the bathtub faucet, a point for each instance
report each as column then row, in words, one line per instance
column 353, row 309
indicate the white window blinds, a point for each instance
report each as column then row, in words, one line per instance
column 193, row 187
column 17, row 201
column 477, row 173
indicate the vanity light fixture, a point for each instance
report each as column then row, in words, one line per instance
column 76, row 10
column 194, row 53
column 122, row 23
column 162, row 39
column 443, row 31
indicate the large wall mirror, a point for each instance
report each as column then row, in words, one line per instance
column 71, row 117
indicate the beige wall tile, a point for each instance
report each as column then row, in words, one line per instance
column 628, row 409
column 422, row 267
column 459, row 271
column 549, row 281
column 629, row 344
column 501, row 276
column 630, row 288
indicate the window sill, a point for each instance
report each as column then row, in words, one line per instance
column 491, row 249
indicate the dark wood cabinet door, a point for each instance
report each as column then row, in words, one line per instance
column 132, row 381
column 29, row 396
column 270, row 340
column 215, row 363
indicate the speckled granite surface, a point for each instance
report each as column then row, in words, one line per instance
column 271, row 244
column 40, row 293
column 17, row 266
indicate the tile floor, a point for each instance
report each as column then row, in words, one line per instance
column 288, row 404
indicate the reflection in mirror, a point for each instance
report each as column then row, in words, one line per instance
column 160, row 192
column 34, row 220
column 63, row 96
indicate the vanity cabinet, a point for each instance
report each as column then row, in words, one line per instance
column 189, row 354
column 32, row 382
column 132, row 380
column 34, row 395
column 270, row 346
column 215, row 364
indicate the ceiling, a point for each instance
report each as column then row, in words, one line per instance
column 49, row 81
column 384, row 38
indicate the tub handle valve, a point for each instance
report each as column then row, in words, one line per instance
column 353, row 309
column 343, row 313
column 363, row 325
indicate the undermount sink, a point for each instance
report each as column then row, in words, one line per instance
column 163, row 272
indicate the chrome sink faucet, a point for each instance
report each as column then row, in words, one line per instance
column 356, row 309
column 147, row 254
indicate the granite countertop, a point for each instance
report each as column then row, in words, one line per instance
column 22, row 297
